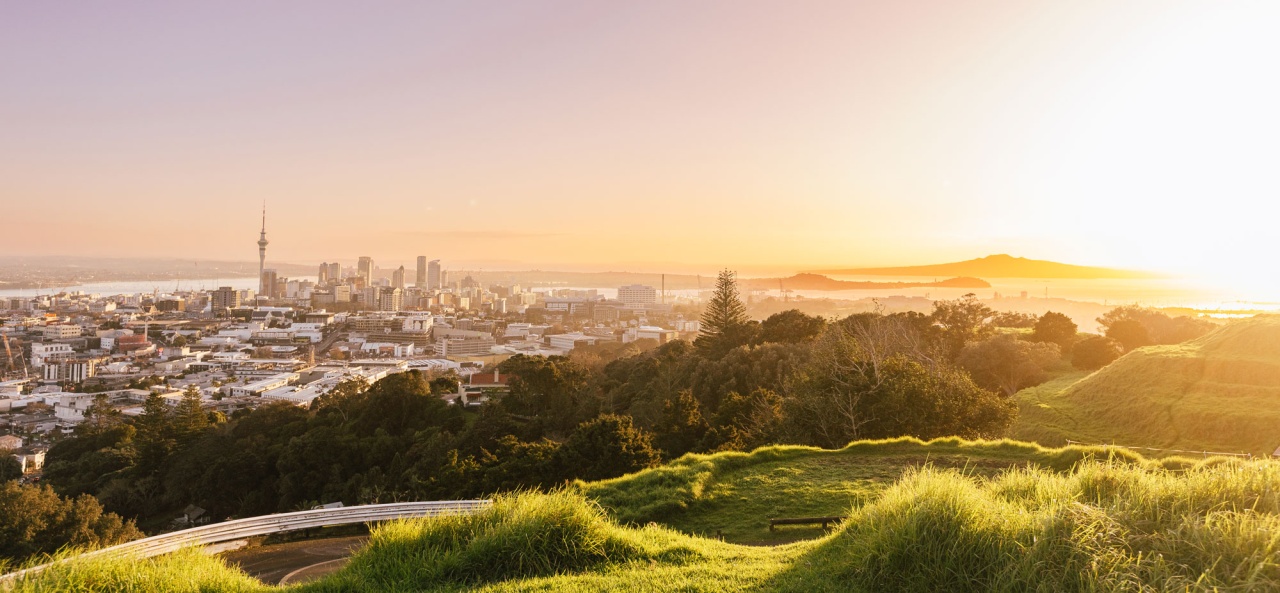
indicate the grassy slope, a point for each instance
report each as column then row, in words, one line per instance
column 733, row 495
column 1097, row 526
column 1220, row 392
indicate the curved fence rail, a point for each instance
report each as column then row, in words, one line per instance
column 271, row 524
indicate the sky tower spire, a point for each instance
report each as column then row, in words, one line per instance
column 262, row 250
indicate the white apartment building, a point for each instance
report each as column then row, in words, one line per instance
column 636, row 295
column 61, row 331
column 570, row 341
column 41, row 354
column 257, row 388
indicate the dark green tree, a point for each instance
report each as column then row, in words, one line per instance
column 100, row 416
column 154, row 432
column 725, row 324
column 791, row 327
column 607, row 447
column 10, row 468
column 189, row 419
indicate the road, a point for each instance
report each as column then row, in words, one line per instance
column 295, row 562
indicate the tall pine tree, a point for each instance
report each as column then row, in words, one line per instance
column 724, row 322
column 189, row 420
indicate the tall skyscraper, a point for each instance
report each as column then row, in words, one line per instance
column 335, row 272
column 365, row 269
column 433, row 275
column 269, row 280
column 397, row 278
column 421, row 279
column 323, row 276
column 262, row 253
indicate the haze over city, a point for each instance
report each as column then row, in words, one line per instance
column 717, row 296
column 647, row 136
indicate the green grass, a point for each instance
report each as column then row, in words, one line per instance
column 1218, row 393
column 733, row 495
column 1128, row 524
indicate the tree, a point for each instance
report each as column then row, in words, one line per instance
column 154, row 432
column 1160, row 328
column 724, row 322
column 549, row 387
column 344, row 399
column 1006, row 364
column 1014, row 320
column 791, row 327
column 10, row 467
column 1095, row 352
column 745, row 422
column 189, row 419
column 1055, row 328
column 100, row 416
column 875, row 376
column 607, row 447
column 962, row 320
column 896, row 397
column 1129, row 333
column 35, row 520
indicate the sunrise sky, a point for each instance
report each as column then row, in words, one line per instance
column 624, row 135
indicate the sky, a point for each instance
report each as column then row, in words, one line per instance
column 657, row 135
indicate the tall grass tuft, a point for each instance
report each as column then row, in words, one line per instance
column 521, row 535
column 186, row 571
column 1105, row 526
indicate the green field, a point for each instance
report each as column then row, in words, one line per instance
column 1218, row 393
column 1072, row 519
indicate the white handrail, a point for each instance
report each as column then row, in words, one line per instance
column 268, row 525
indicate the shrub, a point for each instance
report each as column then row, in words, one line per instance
column 1095, row 352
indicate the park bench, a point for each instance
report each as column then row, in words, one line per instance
column 824, row 521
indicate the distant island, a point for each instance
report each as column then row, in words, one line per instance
column 805, row 281
column 1001, row 266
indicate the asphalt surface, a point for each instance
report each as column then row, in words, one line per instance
column 295, row 562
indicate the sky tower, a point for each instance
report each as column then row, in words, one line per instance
column 262, row 250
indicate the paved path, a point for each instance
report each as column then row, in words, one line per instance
column 295, row 562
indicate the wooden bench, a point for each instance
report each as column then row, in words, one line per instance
column 825, row 521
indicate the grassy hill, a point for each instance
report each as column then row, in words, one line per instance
column 1220, row 392
column 733, row 495
column 1071, row 519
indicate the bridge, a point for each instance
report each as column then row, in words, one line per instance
column 238, row 529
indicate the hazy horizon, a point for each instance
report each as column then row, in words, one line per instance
column 749, row 135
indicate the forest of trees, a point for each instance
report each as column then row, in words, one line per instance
column 602, row 412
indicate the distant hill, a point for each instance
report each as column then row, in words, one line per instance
column 1220, row 392
column 819, row 282
column 999, row 266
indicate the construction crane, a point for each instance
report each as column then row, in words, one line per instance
column 8, row 353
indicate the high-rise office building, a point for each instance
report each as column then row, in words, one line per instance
column 365, row 269
column 637, row 295
column 397, row 278
column 269, row 281
column 222, row 299
column 391, row 299
column 323, row 276
column 335, row 272
column 420, row 280
column 434, row 281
